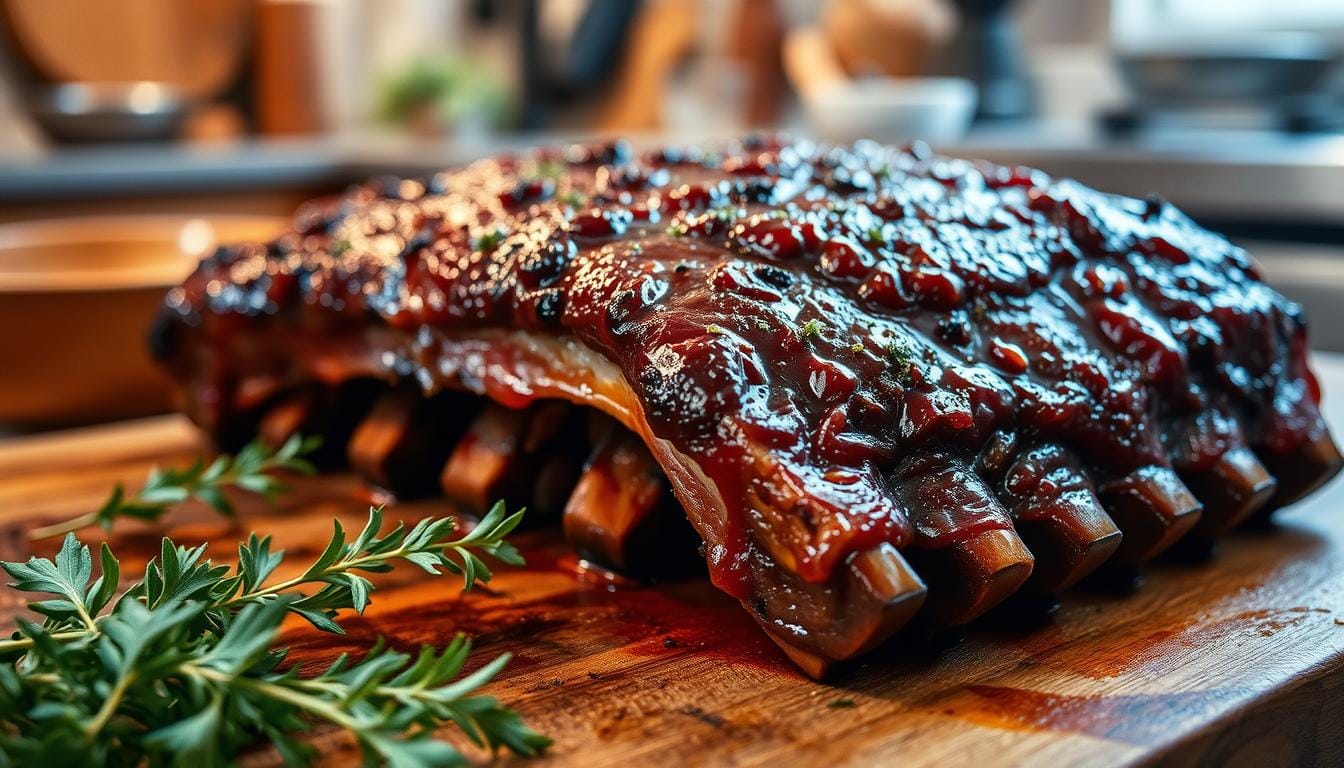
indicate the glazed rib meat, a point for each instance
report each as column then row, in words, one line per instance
column 881, row 383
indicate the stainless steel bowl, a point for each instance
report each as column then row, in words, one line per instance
column 109, row 112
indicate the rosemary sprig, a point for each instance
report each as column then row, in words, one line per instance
column 252, row 469
column 183, row 667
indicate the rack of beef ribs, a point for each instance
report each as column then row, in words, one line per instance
column 882, row 384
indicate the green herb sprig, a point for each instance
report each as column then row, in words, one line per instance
column 252, row 469
column 183, row 667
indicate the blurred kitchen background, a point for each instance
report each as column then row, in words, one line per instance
column 134, row 134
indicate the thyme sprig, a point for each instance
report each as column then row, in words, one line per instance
column 253, row 469
column 183, row 668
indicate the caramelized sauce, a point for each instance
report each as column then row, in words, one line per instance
column 837, row 309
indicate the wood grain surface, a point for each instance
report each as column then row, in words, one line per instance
column 1238, row 661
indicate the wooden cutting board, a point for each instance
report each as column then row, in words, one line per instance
column 1236, row 662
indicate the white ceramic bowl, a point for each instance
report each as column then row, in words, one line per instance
column 936, row 109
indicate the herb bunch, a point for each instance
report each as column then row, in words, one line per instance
column 252, row 469
column 182, row 668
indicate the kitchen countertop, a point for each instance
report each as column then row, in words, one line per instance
column 1272, row 178
column 1224, row 176
column 91, row 172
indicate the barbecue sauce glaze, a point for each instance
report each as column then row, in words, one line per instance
column 808, row 323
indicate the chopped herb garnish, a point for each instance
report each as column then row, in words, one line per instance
column 840, row 704
column 856, row 347
column 488, row 241
column 811, row 329
column 902, row 361
column 677, row 230
column 339, row 246
column 715, row 329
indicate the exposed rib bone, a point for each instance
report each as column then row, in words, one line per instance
column 1303, row 470
column 1208, row 450
column 499, row 455
column 1152, row 508
column 612, row 515
column 403, row 441
column 1058, row 516
column 332, row 414
column 971, row 576
column 967, row 575
column 485, row 459
column 1231, row 489
column 293, row 415
column 875, row 594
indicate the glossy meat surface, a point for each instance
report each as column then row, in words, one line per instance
column 839, row 348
